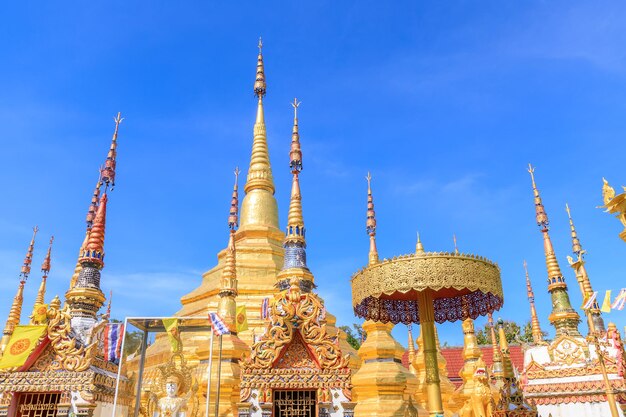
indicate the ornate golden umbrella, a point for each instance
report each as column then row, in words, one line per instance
column 425, row 287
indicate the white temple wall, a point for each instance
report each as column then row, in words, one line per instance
column 576, row 410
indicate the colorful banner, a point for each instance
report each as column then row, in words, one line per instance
column 219, row 327
column 113, row 334
column 606, row 304
column 589, row 300
column 241, row 319
column 618, row 304
column 171, row 327
column 21, row 345
column 40, row 313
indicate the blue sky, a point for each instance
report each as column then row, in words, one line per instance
column 444, row 103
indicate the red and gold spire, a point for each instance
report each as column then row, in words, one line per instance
column 534, row 320
column 41, row 293
column 582, row 277
column 563, row 317
column 370, row 223
column 16, row 307
column 497, row 370
column 295, row 219
column 85, row 296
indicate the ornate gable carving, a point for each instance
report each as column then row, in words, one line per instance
column 295, row 355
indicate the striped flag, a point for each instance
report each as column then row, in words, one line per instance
column 113, row 342
column 589, row 300
column 219, row 327
column 606, row 304
column 618, row 304
column 265, row 309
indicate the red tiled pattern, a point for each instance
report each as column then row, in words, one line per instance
column 454, row 358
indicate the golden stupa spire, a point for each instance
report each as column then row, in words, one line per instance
column 563, row 317
column 259, row 207
column 227, row 307
column 295, row 220
column 370, row 224
column 16, row 308
column 411, row 344
column 260, row 171
column 534, row 320
column 581, row 274
column 41, row 293
column 419, row 248
column 507, row 365
column 497, row 369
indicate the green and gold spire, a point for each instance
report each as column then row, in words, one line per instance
column 563, row 317
column 259, row 205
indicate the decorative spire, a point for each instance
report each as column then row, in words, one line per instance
column 563, row 317
column 16, row 308
column 581, row 274
column 227, row 307
column 94, row 250
column 295, row 236
column 507, row 365
column 295, row 220
column 534, row 320
column 497, row 369
column 108, row 313
column 260, row 171
column 85, row 296
column 419, row 248
column 28, row 259
column 456, row 248
column 41, row 293
column 370, row 224
column 93, row 207
column 108, row 171
column 411, row 346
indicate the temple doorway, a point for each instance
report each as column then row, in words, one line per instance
column 37, row 404
column 292, row 403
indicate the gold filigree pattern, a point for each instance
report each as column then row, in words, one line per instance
column 446, row 274
column 293, row 312
column 70, row 355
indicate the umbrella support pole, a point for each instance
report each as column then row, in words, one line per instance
column 427, row 322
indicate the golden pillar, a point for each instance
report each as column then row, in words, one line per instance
column 379, row 385
column 427, row 322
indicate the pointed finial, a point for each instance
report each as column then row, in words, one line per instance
column 576, row 247
column 295, row 219
column 45, row 266
column 456, row 249
column 28, row 259
column 507, row 365
column 542, row 217
column 108, row 313
column 411, row 345
column 370, row 224
column 419, row 248
column 233, row 218
column 227, row 307
column 108, row 171
column 259, row 82
column 535, row 327
column 295, row 155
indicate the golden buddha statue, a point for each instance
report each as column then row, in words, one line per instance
column 175, row 393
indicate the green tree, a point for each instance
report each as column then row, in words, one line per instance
column 355, row 335
column 132, row 340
